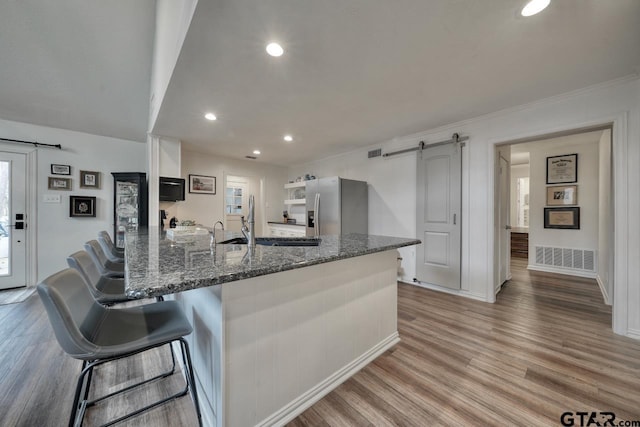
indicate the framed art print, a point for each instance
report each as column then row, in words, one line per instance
column 562, row 218
column 202, row 184
column 60, row 169
column 562, row 169
column 562, row 195
column 89, row 179
column 82, row 206
column 55, row 183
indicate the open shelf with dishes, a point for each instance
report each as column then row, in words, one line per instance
column 300, row 184
column 295, row 201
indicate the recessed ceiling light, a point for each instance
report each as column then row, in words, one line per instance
column 274, row 49
column 534, row 6
column 288, row 138
column 256, row 152
column 210, row 116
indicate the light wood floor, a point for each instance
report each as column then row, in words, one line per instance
column 544, row 348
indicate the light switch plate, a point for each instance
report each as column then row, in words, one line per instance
column 51, row 198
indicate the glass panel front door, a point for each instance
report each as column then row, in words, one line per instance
column 13, row 220
column 5, row 211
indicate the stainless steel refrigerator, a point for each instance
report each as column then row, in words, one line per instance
column 337, row 206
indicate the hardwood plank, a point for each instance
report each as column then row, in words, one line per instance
column 544, row 348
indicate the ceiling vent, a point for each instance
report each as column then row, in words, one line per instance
column 251, row 157
column 375, row 153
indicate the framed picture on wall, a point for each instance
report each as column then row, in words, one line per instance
column 562, row 218
column 60, row 169
column 89, row 179
column 562, row 195
column 82, row 206
column 562, row 169
column 56, row 183
column 202, row 184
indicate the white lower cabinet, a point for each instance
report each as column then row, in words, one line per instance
column 283, row 230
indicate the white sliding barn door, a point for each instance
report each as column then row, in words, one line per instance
column 438, row 215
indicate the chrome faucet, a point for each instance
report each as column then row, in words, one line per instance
column 249, row 231
column 213, row 234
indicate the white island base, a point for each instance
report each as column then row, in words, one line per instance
column 266, row 348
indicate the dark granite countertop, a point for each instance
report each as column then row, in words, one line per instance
column 156, row 265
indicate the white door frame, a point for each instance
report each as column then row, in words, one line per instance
column 31, row 211
column 619, row 147
column 260, row 209
column 504, row 258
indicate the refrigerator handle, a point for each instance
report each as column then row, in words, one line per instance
column 316, row 209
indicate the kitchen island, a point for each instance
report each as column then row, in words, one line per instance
column 275, row 328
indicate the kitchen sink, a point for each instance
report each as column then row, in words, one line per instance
column 275, row 241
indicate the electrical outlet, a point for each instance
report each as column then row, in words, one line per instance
column 51, row 198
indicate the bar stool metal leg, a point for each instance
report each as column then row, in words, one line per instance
column 84, row 383
column 190, row 376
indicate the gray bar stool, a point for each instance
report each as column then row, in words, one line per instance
column 97, row 335
column 105, row 265
column 106, row 290
column 114, row 254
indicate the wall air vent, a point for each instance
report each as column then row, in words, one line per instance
column 375, row 153
column 574, row 259
column 251, row 157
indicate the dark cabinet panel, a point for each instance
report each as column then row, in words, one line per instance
column 519, row 245
column 130, row 204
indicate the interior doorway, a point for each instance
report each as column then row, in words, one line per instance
column 566, row 215
column 237, row 189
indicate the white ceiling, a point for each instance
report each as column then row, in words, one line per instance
column 354, row 73
column 77, row 64
column 519, row 158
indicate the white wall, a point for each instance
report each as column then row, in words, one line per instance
column 392, row 190
column 170, row 151
column 58, row 235
column 586, row 146
column 172, row 23
column 207, row 209
column 392, row 195
column 605, row 211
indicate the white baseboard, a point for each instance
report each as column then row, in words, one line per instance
column 605, row 295
column 461, row 293
column 296, row 407
column 633, row 333
column 557, row 270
